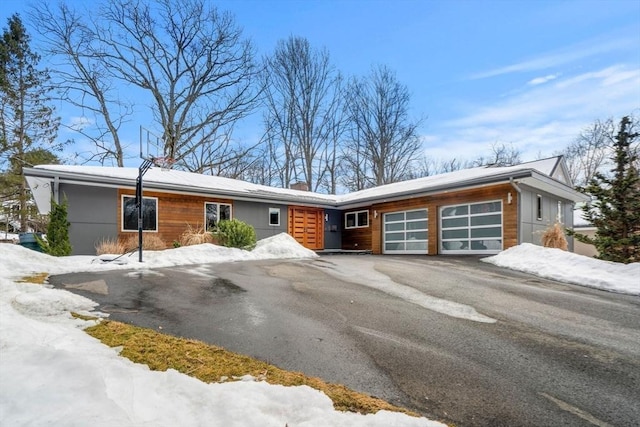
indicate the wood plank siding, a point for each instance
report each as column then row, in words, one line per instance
column 356, row 238
column 175, row 212
column 433, row 203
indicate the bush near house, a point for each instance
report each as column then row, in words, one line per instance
column 236, row 234
column 195, row 236
column 57, row 242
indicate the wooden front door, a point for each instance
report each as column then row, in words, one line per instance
column 306, row 225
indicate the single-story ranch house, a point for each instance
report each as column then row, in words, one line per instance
column 474, row 211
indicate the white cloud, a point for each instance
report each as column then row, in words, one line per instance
column 540, row 119
column 79, row 123
column 563, row 56
column 542, row 80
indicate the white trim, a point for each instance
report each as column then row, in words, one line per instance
column 122, row 229
column 272, row 211
column 356, row 219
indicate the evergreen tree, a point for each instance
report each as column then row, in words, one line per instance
column 615, row 206
column 26, row 121
column 57, row 243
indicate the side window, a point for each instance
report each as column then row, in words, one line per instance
column 539, row 207
column 274, row 216
column 214, row 212
column 358, row 219
column 560, row 216
column 130, row 214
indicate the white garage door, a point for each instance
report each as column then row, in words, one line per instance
column 474, row 228
column 405, row 232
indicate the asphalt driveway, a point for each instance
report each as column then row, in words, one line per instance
column 548, row 353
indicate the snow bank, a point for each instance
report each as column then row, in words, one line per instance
column 19, row 261
column 568, row 267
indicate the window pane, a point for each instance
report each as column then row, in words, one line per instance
column 225, row 212
column 211, row 210
column 274, row 216
column 394, row 246
column 417, row 214
column 393, row 236
column 486, row 232
column 455, row 234
column 363, row 219
column 129, row 214
column 455, row 210
column 350, row 220
column 481, row 245
column 394, row 217
column 417, row 235
column 417, row 225
column 396, row 226
column 486, row 219
column 485, row 207
column 455, row 222
column 456, row 245
column 417, row 246
column 149, row 214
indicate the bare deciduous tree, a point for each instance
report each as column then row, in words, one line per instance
column 386, row 140
column 588, row 152
column 83, row 80
column 302, row 93
column 501, row 155
column 189, row 58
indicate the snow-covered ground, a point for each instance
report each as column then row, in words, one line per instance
column 52, row 373
column 568, row 267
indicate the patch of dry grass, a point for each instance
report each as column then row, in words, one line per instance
column 37, row 278
column 110, row 246
column 553, row 237
column 150, row 242
column 195, row 236
column 215, row 364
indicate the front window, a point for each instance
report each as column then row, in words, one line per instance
column 356, row 219
column 130, row 214
column 215, row 212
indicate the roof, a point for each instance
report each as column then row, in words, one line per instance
column 537, row 174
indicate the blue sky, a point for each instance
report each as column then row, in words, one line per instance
column 531, row 73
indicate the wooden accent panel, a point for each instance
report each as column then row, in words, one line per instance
column 433, row 204
column 357, row 238
column 306, row 225
column 175, row 211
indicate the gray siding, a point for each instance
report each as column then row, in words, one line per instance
column 333, row 229
column 257, row 214
column 532, row 228
column 92, row 212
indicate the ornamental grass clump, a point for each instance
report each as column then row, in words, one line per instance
column 195, row 236
column 150, row 242
column 109, row 246
column 236, row 234
column 553, row 237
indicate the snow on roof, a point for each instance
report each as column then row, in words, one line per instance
column 156, row 177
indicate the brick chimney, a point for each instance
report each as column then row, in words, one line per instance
column 302, row 186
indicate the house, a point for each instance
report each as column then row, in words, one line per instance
column 474, row 211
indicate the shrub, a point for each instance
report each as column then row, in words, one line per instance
column 236, row 234
column 57, row 243
column 150, row 242
column 195, row 236
column 553, row 237
column 110, row 246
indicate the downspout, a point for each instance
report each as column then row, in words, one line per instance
column 518, row 207
column 56, row 189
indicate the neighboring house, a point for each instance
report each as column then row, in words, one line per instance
column 474, row 211
column 582, row 226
